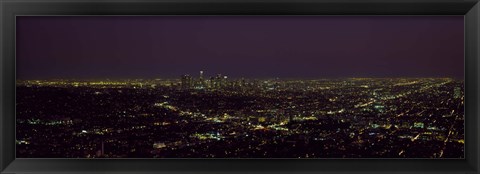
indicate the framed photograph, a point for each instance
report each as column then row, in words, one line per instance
column 185, row 86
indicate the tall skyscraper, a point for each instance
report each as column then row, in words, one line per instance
column 224, row 81
column 186, row 81
column 202, row 83
column 218, row 81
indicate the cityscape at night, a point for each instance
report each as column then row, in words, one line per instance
column 240, row 87
column 218, row 117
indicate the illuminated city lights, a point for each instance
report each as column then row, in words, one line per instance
column 220, row 117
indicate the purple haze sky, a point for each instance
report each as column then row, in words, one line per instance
column 95, row 47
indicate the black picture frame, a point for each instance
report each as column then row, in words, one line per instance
column 9, row 9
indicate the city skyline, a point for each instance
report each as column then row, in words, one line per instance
column 240, row 87
column 208, row 75
column 251, row 47
column 222, row 118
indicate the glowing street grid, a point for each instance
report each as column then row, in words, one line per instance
column 195, row 116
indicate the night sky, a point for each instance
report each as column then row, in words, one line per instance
column 116, row 47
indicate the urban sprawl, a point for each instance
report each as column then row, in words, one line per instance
column 195, row 116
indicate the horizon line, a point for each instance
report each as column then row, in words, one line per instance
column 257, row 78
